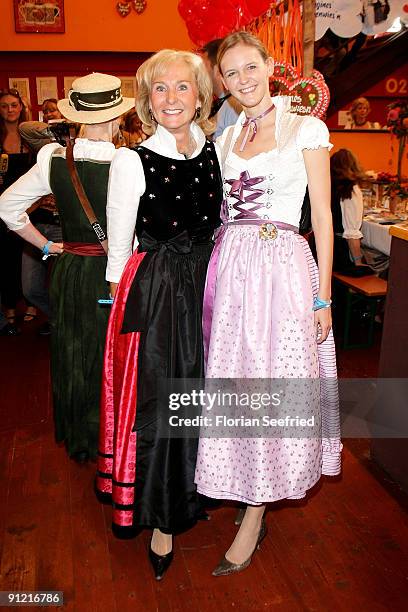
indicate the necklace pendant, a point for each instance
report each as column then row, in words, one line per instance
column 268, row 231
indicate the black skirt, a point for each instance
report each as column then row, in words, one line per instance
column 164, row 305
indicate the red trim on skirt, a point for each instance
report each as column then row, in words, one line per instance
column 117, row 442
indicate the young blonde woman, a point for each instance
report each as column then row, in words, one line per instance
column 167, row 192
column 267, row 311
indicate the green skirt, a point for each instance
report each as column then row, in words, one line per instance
column 78, row 326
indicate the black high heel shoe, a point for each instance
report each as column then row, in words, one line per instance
column 160, row 563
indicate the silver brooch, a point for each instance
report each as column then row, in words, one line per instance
column 268, row 231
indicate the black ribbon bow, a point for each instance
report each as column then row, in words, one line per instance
column 178, row 244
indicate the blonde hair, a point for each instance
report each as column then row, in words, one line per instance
column 357, row 102
column 156, row 66
column 240, row 38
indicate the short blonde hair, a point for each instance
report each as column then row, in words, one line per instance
column 156, row 66
column 240, row 38
column 357, row 102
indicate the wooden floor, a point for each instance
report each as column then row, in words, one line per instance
column 343, row 549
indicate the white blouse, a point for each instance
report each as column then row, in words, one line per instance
column 126, row 186
column 352, row 214
column 36, row 182
column 281, row 171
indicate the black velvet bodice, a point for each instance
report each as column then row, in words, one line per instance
column 180, row 195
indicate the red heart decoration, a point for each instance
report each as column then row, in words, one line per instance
column 309, row 96
column 317, row 75
column 123, row 9
column 285, row 71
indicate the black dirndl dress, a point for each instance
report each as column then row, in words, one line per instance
column 155, row 333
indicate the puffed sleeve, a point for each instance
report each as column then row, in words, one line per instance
column 352, row 214
column 126, row 185
column 26, row 190
column 313, row 134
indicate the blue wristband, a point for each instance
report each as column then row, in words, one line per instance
column 319, row 303
column 46, row 249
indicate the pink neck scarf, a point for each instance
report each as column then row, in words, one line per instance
column 251, row 123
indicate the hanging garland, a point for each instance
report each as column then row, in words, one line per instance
column 282, row 33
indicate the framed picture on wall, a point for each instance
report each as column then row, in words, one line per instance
column 39, row 16
column 68, row 80
column 128, row 86
column 46, row 88
column 22, row 85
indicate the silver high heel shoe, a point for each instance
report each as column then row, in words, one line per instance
column 225, row 567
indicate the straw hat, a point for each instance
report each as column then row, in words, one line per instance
column 95, row 98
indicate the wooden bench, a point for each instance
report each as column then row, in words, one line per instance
column 368, row 289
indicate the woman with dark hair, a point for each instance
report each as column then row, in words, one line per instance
column 16, row 159
column 350, row 257
column 347, row 209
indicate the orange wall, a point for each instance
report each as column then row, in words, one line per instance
column 376, row 151
column 95, row 25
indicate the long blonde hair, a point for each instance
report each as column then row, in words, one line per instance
column 156, row 66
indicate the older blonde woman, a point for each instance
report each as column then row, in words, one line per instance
column 358, row 116
column 167, row 192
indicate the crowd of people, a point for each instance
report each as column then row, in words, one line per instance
column 195, row 245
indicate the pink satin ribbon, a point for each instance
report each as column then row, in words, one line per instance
column 238, row 187
column 251, row 122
